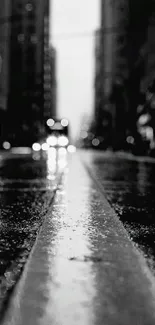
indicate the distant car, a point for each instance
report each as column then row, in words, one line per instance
column 57, row 132
column 56, row 135
column 22, row 141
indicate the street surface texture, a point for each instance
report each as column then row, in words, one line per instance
column 27, row 187
column 84, row 269
column 128, row 183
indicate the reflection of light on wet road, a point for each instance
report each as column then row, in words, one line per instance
column 70, row 282
column 56, row 161
column 62, row 157
column 51, row 162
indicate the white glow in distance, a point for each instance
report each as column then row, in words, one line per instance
column 52, row 141
column 63, row 141
column 6, row 145
column 64, row 122
column 50, row 122
column 95, row 142
column 45, row 146
column 36, row 146
column 143, row 119
column 71, row 148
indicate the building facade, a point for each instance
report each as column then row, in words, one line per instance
column 127, row 56
column 137, row 54
column 111, row 67
column 5, row 9
column 50, row 84
column 53, row 73
column 148, row 50
column 101, row 124
column 98, row 80
column 22, row 90
column 47, row 76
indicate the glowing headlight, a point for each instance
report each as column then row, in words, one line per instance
column 6, row 145
column 52, row 141
column 64, row 122
column 36, row 146
column 63, row 141
column 45, row 146
column 71, row 148
column 143, row 119
column 50, row 122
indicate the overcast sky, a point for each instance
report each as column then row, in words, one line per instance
column 72, row 26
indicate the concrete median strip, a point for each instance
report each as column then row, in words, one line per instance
column 83, row 268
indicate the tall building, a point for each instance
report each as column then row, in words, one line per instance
column 50, row 84
column 124, row 50
column 107, row 45
column 148, row 50
column 4, row 54
column 138, row 18
column 53, row 72
column 98, row 80
column 111, row 67
column 47, row 77
column 28, row 23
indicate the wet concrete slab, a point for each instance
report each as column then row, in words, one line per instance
column 27, row 187
column 83, row 268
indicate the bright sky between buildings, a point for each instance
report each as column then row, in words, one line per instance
column 72, row 33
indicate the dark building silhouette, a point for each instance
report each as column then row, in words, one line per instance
column 98, row 80
column 111, row 69
column 125, row 64
column 28, row 39
column 47, row 74
column 53, row 71
column 50, row 84
column 148, row 50
column 5, row 9
column 137, row 37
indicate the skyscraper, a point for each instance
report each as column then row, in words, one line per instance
column 98, row 77
column 53, row 83
column 124, row 54
column 111, row 65
column 28, row 34
column 148, row 48
column 5, row 8
column 47, row 68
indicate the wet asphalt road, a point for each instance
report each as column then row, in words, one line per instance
column 27, row 187
column 129, row 185
column 83, row 268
